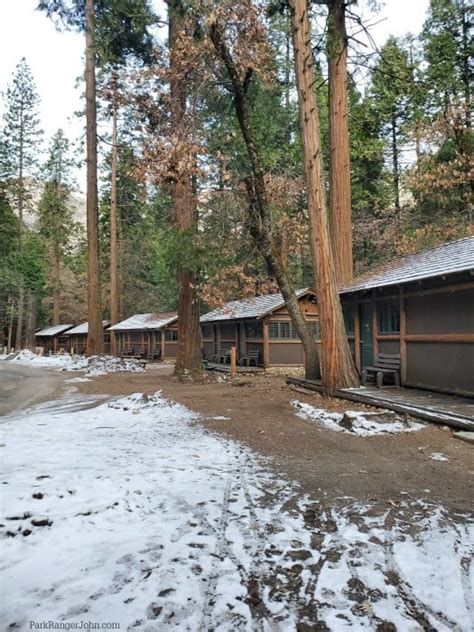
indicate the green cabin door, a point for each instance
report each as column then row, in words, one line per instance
column 366, row 333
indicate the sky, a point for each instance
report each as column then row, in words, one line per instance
column 56, row 58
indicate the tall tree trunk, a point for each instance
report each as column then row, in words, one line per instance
column 95, row 337
column 30, row 322
column 340, row 216
column 114, row 278
column 337, row 367
column 19, row 319
column 11, row 303
column 189, row 357
column 56, row 282
column 395, row 165
column 259, row 216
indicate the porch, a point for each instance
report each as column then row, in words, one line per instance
column 226, row 368
column 450, row 410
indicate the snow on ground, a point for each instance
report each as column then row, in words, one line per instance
column 93, row 366
column 131, row 512
column 363, row 424
column 61, row 362
column 438, row 456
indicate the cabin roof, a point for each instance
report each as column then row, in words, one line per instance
column 451, row 257
column 83, row 328
column 254, row 307
column 146, row 321
column 54, row 330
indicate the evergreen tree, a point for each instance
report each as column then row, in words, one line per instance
column 54, row 214
column 390, row 90
column 21, row 137
column 114, row 29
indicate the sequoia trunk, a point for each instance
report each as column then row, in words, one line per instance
column 340, row 216
column 95, row 335
column 189, row 358
column 337, row 367
column 114, row 278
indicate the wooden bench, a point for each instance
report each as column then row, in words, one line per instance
column 154, row 355
column 252, row 356
column 221, row 357
column 385, row 364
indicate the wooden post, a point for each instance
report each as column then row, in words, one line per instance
column 403, row 342
column 266, row 347
column 162, row 342
column 233, row 361
column 357, row 335
column 375, row 332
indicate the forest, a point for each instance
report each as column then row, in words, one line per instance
column 252, row 146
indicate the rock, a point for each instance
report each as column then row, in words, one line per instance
column 301, row 554
column 464, row 435
column 346, row 422
column 41, row 522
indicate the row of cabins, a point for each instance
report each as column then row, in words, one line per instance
column 420, row 306
column 151, row 336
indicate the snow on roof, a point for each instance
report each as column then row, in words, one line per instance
column 53, row 331
column 254, row 307
column 455, row 256
column 83, row 328
column 146, row 321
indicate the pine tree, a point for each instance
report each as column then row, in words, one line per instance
column 21, row 137
column 113, row 29
column 54, row 214
column 391, row 90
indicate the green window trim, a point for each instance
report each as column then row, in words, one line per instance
column 388, row 317
column 349, row 319
column 284, row 330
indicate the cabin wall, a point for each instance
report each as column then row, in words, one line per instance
column 286, row 353
column 444, row 358
column 436, row 336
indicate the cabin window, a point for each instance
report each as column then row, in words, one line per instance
column 282, row 331
column 348, row 313
column 388, row 317
column 171, row 335
column 254, row 330
column 207, row 331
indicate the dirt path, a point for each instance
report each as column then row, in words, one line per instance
column 386, row 469
column 22, row 386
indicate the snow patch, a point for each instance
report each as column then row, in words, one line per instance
column 362, row 424
column 101, row 365
column 93, row 366
column 438, row 456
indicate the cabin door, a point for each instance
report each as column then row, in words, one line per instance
column 367, row 334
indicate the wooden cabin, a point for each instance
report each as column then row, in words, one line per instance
column 78, row 337
column 420, row 306
column 260, row 326
column 153, row 336
column 53, row 339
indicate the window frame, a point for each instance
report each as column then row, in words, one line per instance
column 171, row 335
column 388, row 317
